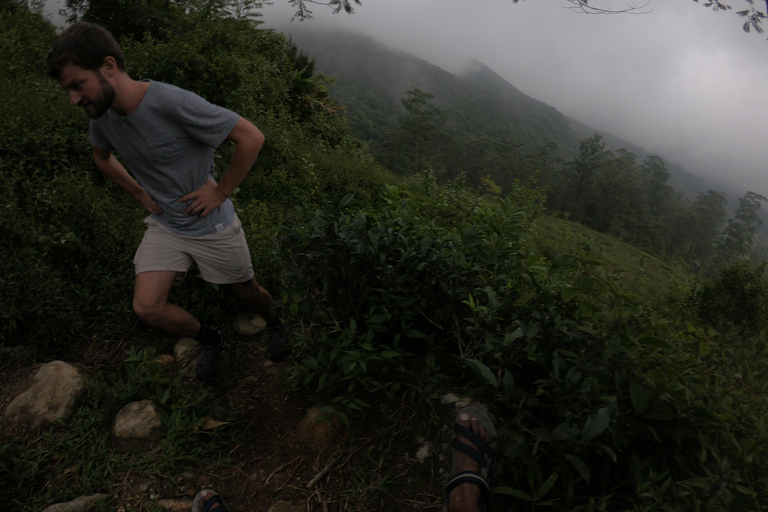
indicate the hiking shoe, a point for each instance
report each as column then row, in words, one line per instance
column 209, row 357
column 278, row 348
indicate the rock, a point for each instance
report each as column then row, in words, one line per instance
column 137, row 425
column 452, row 398
column 248, row 325
column 285, row 506
column 52, row 396
column 449, row 398
column 317, row 434
column 423, row 452
column 165, row 359
column 175, row 505
column 186, row 351
column 249, row 382
column 81, row 504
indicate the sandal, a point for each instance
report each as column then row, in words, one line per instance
column 483, row 453
column 210, row 502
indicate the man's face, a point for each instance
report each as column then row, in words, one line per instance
column 87, row 89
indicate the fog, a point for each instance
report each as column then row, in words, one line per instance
column 680, row 80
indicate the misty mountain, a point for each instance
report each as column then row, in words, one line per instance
column 370, row 79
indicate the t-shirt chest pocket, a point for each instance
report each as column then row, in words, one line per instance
column 166, row 152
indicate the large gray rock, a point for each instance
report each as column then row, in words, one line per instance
column 137, row 426
column 81, row 504
column 52, row 396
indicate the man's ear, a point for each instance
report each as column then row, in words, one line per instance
column 108, row 67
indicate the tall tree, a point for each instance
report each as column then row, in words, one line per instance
column 741, row 229
column 420, row 130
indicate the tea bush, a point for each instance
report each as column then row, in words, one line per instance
column 609, row 403
column 735, row 299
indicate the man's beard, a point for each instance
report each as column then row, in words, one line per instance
column 98, row 106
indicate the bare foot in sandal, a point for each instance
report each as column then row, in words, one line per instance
column 468, row 489
column 201, row 502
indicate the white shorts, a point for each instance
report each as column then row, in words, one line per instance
column 222, row 257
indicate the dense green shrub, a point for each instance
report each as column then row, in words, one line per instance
column 609, row 404
column 736, row 299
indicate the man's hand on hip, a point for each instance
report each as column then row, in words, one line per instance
column 206, row 199
column 149, row 203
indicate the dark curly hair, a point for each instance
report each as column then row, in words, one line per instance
column 85, row 45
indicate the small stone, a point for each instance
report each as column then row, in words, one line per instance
column 248, row 325
column 165, row 359
column 315, row 432
column 137, row 425
column 449, row 398
column 423, row 452
column 176, row 505
column 268, row 364
column 464, row 402
column 186, row 351
column 81, row 504
column 144, row 487
column 187, row 475
column 279, row 479
column 284, row 506
column 249, row 382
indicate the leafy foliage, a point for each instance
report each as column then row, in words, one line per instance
column 736, row 299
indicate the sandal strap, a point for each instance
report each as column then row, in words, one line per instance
column 477, row 456
column 213, row 500
column 472, row 477
column 475, row 439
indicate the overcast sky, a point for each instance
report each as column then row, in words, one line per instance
column 681, row 80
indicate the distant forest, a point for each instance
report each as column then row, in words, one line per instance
column 481, row 130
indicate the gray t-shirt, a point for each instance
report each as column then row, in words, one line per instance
column 167, row 144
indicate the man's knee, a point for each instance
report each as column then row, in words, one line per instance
column 147, row 312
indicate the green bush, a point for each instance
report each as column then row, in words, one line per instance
column 609, row 403
column 736, row 299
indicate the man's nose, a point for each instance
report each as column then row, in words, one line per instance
column 74, row 97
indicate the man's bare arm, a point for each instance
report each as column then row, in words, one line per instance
column 114, row 170
column 248, row 142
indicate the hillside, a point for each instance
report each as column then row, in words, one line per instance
column 370, row 79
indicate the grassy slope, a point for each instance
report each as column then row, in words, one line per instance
column 643, row 274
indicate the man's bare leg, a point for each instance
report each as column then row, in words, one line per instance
column 253, row 294
column 150, row 303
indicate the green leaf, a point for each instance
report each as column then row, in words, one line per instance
column 659, row 410
column 515, row 493
column 546, row 487
column 596, row 424
column 483, row 372
column 655, row 342
column 580, row 466
column 639, row 396
column 346, row 200
column 569, row 292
